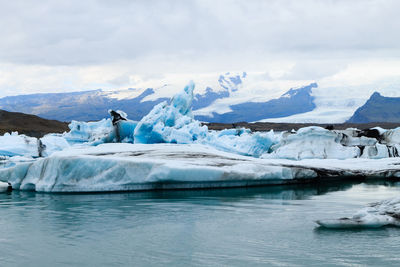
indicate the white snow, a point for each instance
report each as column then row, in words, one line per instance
column 124, row 94
column 323, row 114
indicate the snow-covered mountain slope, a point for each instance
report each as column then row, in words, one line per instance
column 294, row 101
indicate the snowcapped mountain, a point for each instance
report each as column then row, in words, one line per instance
column 230, row 97
column 294, row 101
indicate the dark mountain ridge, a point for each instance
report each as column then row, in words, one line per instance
column 29, row 124
column 378, row 108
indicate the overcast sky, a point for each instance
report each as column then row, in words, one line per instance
column 54, row 46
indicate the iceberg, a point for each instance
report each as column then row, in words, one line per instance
column 316, row 142
column 174, row 123
column 122, row 167
column 383, row 213
column 171, row 123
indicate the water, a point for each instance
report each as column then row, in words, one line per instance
column 269, row 226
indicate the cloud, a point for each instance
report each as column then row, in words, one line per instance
column 75, row 45
column 96, row 32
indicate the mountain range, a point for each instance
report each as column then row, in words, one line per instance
column 94, row 104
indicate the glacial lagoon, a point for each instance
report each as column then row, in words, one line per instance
column 263, row 226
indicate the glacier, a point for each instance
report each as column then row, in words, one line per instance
column 168, row 148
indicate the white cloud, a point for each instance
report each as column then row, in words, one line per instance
column 53, row 46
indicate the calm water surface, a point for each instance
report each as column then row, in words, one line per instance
column 270, row 226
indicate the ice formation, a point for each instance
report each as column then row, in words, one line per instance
column 316, row 142
column 241, row 141
column 90, row 157
column 174, row 123
column 114, row 167
column 383, row 213
column 171, row 123
column 19, row 145
column 312, row 142
column 104, row 131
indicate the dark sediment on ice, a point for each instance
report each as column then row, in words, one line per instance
column 266, row 126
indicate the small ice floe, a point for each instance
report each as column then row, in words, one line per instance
column 4, row 187
column 383, row 213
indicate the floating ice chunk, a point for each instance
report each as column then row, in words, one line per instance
column 378, row 214
column 172, row 123
column 312, row 142
column 19, row 145
column 113, row 167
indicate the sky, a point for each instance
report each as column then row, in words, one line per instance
column 75, row 45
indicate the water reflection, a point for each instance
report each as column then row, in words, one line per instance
column 242, row 226
column 284, row 192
